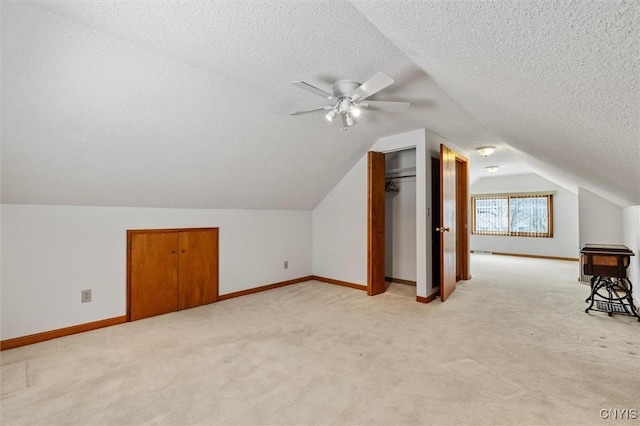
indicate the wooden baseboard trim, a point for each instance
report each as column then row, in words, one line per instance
column 535, row 256
column 264, row 288
column 61, row 332
column 400, row 281
column 338, row 282
column 67, row 331
column 427, row 299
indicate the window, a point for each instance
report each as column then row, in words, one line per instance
column 513, row 215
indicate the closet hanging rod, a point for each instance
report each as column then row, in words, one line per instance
column 405, row 169
column 400, row 177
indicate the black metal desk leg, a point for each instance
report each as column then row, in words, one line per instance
column 595, row 284
column 629, row 290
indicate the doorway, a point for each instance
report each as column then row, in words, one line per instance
column 457, row 262
column 400, row 218
column 392, row 225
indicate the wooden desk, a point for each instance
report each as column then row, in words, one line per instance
column 611, row 290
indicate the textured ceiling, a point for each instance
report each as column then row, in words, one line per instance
column 557, row 80
column 185, row 104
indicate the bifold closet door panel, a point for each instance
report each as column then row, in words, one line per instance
column 154, row 274
column 198, row 268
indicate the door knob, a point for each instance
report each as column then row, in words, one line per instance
column 443, row 229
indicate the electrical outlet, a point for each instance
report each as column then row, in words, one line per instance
column 86, row 296
column 286, row 264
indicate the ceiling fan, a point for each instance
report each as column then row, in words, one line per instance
column 350, row 97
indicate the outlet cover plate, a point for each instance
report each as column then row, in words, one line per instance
column 86, row 296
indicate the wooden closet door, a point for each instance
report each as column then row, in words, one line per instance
column 447, row 228
column 198, row 268
column 154, row 274
column 375, row 227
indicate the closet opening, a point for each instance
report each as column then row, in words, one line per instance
column 400, row 268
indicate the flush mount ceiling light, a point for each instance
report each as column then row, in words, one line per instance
column 492, row 169
column 486, row 150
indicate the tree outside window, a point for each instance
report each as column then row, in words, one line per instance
column 519, row 215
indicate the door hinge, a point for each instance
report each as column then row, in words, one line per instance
column 129, row 245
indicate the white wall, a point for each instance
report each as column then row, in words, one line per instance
column 600, row 220
column 340, row 229
column 565, row 218
column 51, row 253
column 631, row 239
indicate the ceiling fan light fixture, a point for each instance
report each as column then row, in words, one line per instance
column 492, row 169
column 486, row 151
column 351, row 98
column 349, row 119
column 344, row 105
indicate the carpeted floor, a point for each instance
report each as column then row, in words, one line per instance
column 511, row 346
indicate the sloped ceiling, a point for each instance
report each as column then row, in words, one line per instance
column 556, row 80
column 185, row 104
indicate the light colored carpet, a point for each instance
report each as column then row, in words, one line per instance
column 511, row 346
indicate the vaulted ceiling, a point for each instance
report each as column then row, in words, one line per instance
column 185, row 104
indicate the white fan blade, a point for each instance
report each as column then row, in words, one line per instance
column 372, row 86
column 385, row 106
column 306, row 111
column 312, row 89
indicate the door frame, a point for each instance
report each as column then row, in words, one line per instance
column 462, row 218
column 131, row 232
column 436, row 256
